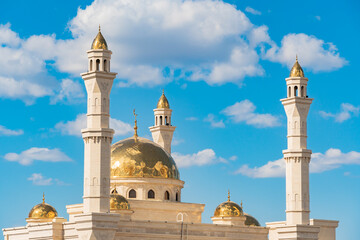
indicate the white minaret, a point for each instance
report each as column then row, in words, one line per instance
column 97, row 136
column 162, row 131
column 297, row 156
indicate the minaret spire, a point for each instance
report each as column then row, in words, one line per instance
column 297, row 156
column 162, row 131
column 98, row 134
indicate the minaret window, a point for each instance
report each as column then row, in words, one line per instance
column 295, row 91
column 156, row 121
column 91, row 65
column 160, row 120
column 289, row 93
column 105, row 69
column 151, row 194
column 177, row 197
column 167, row 195
column 166, row 120
column 97, row 64
column 302, row 91
column 132, row 193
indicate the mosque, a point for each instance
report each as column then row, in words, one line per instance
column 132, row 188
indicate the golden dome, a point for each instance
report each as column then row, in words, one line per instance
column 228, row 209
column 43, row 210
column 251, row 221
column 163, row 102
column 118, row 202
column 296, row 70
column 99, row 42
column 141, row 157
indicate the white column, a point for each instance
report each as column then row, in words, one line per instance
column 97, row 136
column 297, row 156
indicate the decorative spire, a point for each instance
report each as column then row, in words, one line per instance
column 228, row 195
column 163, row 102
column 296, row 70
column 43, row 198
column 99, row 41
column 135, row 127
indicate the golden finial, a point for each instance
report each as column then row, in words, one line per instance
column 135, row 127
column 43, row 197
column 99, row 28
column 228, row 195
column 296, row 70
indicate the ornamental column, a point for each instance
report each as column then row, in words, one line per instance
column 162, row 132
column 97, row 136
column 297, row 156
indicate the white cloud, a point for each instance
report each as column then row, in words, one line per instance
column 39, row 179
column 21, row 89
column 215, row 124
column 191, row 119
column 8, row 132
column 27, row 157
column 244, row 111
column 314, row 54
column 73, row 128
column 206, row 40
column 347, row 111
column 252, row 11
column 201, row 158
column 71, row 92
column 320, row 162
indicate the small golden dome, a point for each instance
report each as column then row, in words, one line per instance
column 296, row 70
column 118, row 202
column 42, row 210
column 141, row 157
column 228, row 209
column 99, row 42
column 163, row 102
column 251, row 221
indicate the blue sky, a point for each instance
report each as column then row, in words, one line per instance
column 222, row 65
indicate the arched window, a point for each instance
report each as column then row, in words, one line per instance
column 132, row 193
column 177, row 197
column 151, row 194
column 155, row 121
column 295, row 91
column 289, row 93
column 105, row 69
column 302, row 91
column 91, row 65
column 167, row 195
column 166, row 121
column 160, row 120
column 97, row 64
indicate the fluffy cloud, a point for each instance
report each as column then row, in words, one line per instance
column 215, row 124
column 71, row 92
column 205, row 40
column 314, row 54
column 201, row 158
column 252, row 11
column 27, row 157
column 244, row 111
column 8, row 132
column 73, row 128
column 39, row 179
column 320, row 162
column 347, row 111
